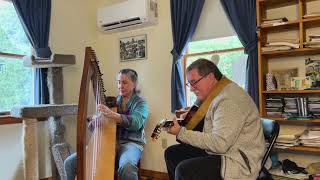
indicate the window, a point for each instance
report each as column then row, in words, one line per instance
column 232, row 61
column 16, row 81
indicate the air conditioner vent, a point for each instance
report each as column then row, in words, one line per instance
column 122, row 26
column 130, row 20
column 110, row 24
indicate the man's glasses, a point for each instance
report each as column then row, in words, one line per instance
column 194, row 83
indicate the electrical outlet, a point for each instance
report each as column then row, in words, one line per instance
column 164, row 143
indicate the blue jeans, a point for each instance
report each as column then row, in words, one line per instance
column 128, row 156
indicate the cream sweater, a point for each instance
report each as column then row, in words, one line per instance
column 232, row 129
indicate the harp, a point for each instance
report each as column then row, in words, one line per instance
column 95, row 161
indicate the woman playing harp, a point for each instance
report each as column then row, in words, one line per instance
column 132, row 113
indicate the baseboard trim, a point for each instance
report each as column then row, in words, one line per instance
column 154, row 175
column 145, row 175
column 48, row 178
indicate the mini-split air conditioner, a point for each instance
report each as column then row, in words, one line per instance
column 126, row 15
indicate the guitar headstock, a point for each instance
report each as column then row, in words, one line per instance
column 156, row 132
column 164, row 123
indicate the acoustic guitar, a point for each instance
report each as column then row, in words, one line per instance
column 166, row 123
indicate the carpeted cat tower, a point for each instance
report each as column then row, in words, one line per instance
column 52, row 112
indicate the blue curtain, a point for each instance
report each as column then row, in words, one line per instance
column 242, row 15
column 35, row 18
column 185, row 15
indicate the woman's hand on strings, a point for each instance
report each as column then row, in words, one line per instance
column 94, row 121
column 108, row 113
column 175, row 128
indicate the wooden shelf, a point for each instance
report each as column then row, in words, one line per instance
column 278, row 2
column 7, row 119
column 280, row 26
column 302, row 149
column 291, row 91
column 286, row 121
column 311, row 22
column 314, row 19
column 292, row 52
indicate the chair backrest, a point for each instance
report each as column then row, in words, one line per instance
column 271, row 131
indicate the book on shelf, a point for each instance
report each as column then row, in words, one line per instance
column 314, row 106
column 274, row 107
column 297, row 109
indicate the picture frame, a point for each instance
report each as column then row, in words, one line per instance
column 283, row 77
column 133, row 48
column 300, row 83
column 313, row 72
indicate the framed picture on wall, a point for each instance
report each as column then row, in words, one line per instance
column 133, row 48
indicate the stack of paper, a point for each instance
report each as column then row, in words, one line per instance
column 287, row 140
column 311, row 137
column 274, row 21
column 279, row 45
column 311, row 15
column 314, row 41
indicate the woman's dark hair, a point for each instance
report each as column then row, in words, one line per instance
column 133, row 75
column 204, row 67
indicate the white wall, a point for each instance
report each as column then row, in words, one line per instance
column 213, row 22
column 11, row 165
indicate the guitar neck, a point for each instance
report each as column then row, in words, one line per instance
column 168, row 123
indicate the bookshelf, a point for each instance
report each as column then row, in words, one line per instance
column 295, row 26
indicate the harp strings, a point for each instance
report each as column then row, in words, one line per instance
column 97, row 132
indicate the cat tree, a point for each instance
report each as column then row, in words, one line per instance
column 53, row 112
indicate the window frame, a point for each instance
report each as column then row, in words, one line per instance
column 5, row 117
column 187, row 55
